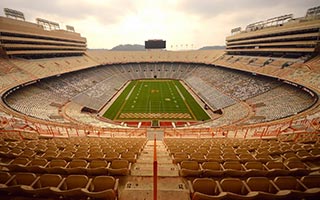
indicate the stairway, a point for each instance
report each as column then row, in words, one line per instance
column 139, row 186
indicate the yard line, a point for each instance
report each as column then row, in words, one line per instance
column 185, row 102
column 180, row 93
column 125, row 101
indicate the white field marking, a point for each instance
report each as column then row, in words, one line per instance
column 130, row 93
column 180, row 93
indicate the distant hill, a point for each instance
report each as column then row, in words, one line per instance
column 128, row 47
column 212, row 48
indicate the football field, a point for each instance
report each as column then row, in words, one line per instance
column 155, row 100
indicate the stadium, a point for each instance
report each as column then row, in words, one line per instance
column 237, row 123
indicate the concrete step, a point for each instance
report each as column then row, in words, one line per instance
column 141, row 188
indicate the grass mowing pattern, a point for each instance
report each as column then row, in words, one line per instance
column 155, row 99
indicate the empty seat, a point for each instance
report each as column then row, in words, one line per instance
column 290, row 155
column 297, row 168
column 50, row 154
column 130, row 156
column 230, row 156
column 4, row 151
column 213, row 157
column 66, row 155
column 81, row 154
column 189, row 168
column 103, row 187
column 97, row 167
column 43, row 186
column 20, row 161
column 315, row 153
column 72, row 186
column 245, row 157
column 57, row 163
column 28, row 153
column 119, row 167
column 205, row 188
column 4, row 177
column 179, row 157
column 112, row 156
column 15, row 152
column 37, row 165
column 236, row 189
column 120, row 150
column 96, row 155
column 292, row 184
column 304, row 155
column 312, row 183
column 255, row 168
column 57, row 166
column 210, row 169
column 276, row 169
column 77, row 166
column 266, row 188
column 18, row 164
column 262, row 157
column 199, row 157
column 13, row 186
column 233, row 168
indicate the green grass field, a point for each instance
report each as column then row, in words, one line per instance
column 153, row 100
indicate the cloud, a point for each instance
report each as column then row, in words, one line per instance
column 105, row 12
column 212, row 8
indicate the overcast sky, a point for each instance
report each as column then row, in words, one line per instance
column 184, row 24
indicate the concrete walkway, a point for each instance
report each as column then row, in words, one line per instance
column 139, row 185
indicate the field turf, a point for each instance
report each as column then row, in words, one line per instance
column 155, row 100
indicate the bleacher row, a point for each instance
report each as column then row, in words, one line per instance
column 41, row 68
column 236, row 84
column 257, row 61
column 219, row 157
column 69, row 156
column 55, row 186
column 65, row 167
column 214, row 97
column 248, row 169
column 283, row 187
column 282, row 101
column 98, row 166
column 107, row 57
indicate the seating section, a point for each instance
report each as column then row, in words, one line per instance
column 56, row 186
column 278, row 103
column 213, row 96
column 235, row 84
column 259, row 61
column 287, row 187
column 221, row 88
column 215, row 168
column 82, row 156
column 242, row 158
column 56, row 168
column 37, row 102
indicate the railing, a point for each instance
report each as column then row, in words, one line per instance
column 258, row 131
column 51, row 130
column 155, row 169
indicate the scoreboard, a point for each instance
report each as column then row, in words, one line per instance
column 155, row 44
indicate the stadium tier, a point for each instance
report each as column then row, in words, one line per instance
column 281, row 36
column 239, row 123
column 29, row 40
